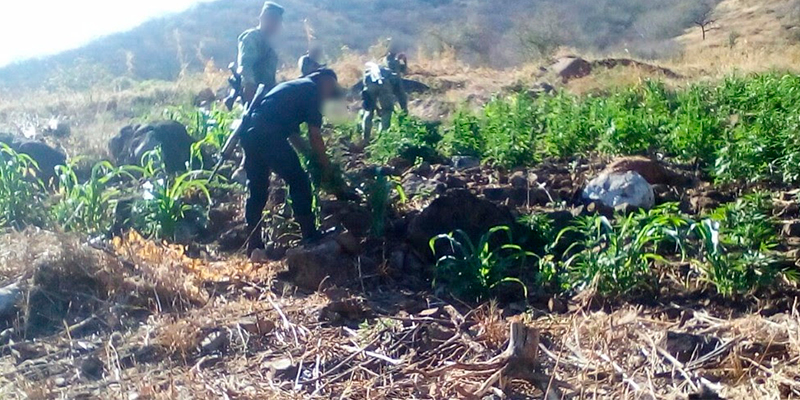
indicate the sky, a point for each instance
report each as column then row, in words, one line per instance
column 33, row 28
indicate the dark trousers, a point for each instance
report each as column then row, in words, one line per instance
column 265, row 153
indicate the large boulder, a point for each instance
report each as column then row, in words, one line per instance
column 654, row 172
column 456, row 210
column 620, row 189
column 331, row 261
column 133, row 141
column 568, row 68
column 45, row 156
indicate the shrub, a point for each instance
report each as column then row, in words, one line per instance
column 165, row 203
column 474, row 270
column 408, row 138
column 21, row 193
column 508, row 131
column 87, row 207
column 616, row 257
column 463, row 138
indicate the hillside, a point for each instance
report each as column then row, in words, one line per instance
column 592, row 201
column 479, row 31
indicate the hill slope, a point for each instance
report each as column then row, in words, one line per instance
column 479, row 31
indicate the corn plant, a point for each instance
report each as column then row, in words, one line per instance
column 21, row 193
column 165, row 203
column 87, row 206
column 732, row 272
column 379, row 194
column 474, row 270
column 615, row 258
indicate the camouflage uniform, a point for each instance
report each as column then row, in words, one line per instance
column 382, row 88
column 394, row 63
column 258, row 61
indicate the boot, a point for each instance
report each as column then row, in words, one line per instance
column 308, row 227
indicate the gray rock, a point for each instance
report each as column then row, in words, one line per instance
column 614, row 189
column 465, row 162
column 9, row 300
column 327, row 261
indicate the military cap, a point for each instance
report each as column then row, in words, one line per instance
column 272, row 8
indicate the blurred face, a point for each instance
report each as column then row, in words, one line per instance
column 271, row 24
column 315, row 53
column 327, row 88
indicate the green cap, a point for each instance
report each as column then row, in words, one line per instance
column 272, row 8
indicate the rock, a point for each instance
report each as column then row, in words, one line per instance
column 519, row 179
column 652, row 171
column 465, row 162
column 256, row 326
column 45, row 156
column 415, row 185
column 456, row 209
column 791, row 229
column 58, row 127
column 92, row 368
column 326, row 261
column 571, row 67
column 205, row 97
column 686, row 346
column 9, row 300
column 214, row 342
column 613, row 189
column 133, row 141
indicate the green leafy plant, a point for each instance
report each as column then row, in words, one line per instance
column 165, row 203
column 474, row 270
column 407, row 138
column 87, row 206
column 732, row 272
column 615, row 258
column 736, row 245
column 379, row 195
column 21, row 193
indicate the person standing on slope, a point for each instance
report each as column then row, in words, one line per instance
column 257, row 61
column 271, row 143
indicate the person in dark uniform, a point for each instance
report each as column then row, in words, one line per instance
column 276, row 122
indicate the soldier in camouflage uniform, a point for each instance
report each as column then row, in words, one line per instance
column 383, row 87
column 257, row 61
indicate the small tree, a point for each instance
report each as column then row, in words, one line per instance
column 705, row 21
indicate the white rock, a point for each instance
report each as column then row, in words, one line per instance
column 614, row 189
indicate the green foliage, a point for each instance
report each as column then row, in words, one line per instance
column 87, row 206
column 616, row 257
column 736, row 243
column 463, row 138
column 210, row 128
column 379, row 195
column 508, row 131
column 408, row 138
column 732, row 272
column 474, row 270
column 165, row 203
column 21, row 193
